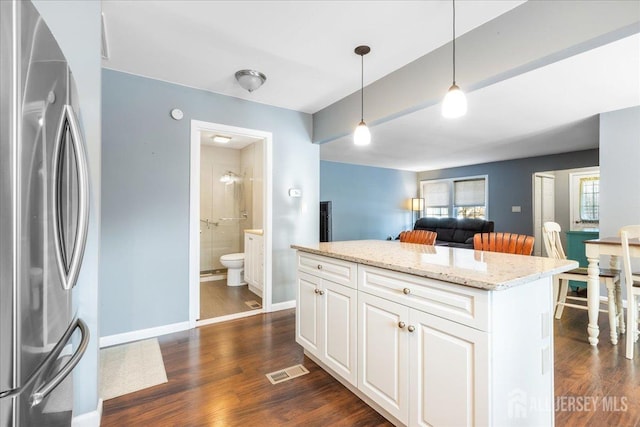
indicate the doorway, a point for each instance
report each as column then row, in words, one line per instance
column 230, row 193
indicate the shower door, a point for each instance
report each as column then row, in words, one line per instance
column 221, row 221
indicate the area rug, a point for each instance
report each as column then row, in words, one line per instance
column 130, row 367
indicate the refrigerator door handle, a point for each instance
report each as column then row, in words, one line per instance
column 69, row 268
column 44, row 390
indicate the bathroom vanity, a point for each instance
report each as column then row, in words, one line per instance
column 431, row 335
column 254, row 261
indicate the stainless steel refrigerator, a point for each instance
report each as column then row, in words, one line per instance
column 43, row 222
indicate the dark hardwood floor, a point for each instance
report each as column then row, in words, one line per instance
column 217, row 378
column 217, row 299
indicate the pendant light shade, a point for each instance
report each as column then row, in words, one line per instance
column 362, row 136
column 455, row 102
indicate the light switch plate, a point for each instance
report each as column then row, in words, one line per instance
column 295, row 192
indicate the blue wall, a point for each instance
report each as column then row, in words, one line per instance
column 510, row 184
column 145, row 233
column 367, row 202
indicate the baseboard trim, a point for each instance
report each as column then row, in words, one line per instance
column 89, row 419
column 234, row 316
column 142, row 334
column 283, row 305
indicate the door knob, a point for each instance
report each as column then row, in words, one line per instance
column 406, row 291
column 411, row 328
column 401, row 325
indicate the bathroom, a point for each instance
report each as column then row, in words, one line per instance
column 231, row 210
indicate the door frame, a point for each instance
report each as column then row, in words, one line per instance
column 539, row 245
column 197, row 127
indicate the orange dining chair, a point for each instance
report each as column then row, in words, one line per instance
column 509, row 243
column 632, row 281
column 424, row 237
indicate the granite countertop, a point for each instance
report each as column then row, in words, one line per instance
column 256, row 231
column 478, row 269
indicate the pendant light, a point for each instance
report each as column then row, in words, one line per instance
column 455, row 103
column 362, row 136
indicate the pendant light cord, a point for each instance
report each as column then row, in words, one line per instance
column 454, row 41
column 362, row 88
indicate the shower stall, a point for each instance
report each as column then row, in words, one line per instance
column 225, row 204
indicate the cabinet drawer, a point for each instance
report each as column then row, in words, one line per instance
column 461, row 304
column 336, row 270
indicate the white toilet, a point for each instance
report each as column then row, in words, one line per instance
column 235, row 268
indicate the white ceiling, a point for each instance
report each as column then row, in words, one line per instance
column 306, row 50
column 520, row 117
column 237, row 142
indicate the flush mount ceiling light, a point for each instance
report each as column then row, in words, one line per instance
column 250, row 79
column 455, row 103
column 221, row 139
column 362, row 136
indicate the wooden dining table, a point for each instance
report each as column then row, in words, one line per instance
column 594, row 248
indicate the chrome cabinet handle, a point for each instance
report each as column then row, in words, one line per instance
column 411, row 328
column 316, row 291
column 319, row 267
column 320, row 292
column 401, row 325
column 69, row 266
column 44, row 390
column 406, row 291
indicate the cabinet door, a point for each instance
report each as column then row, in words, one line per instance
column 448, row 373
column 248, row 259
column 339, row 329
column 383, row 354
column 308, row 313
column 258, row 262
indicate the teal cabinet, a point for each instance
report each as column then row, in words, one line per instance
column 575, row 250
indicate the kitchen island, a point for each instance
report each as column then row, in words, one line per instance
column 431, row 335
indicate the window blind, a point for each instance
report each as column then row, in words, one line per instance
column 469, row 192
column 436, row 194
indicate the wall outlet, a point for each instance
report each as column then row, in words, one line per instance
column 515, row 209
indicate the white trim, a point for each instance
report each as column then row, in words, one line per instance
column 142, row 334
column 574, row 195
column 233, row 316
column 194, row 211
column 89, row 419
column 283, row 305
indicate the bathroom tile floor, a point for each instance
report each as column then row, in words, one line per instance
column 217, row 299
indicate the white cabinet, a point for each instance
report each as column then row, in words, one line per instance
column 254, row 262
column 421, row 346
column 383, row 354
column 448, row 373
column 326, row 323
column 420, row 368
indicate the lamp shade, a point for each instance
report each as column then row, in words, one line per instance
column 362, row 136
column 454, row 104
column 417, row 204
column 250, row 79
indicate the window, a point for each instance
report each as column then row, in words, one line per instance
column 469, row 198
column 457, row 197
column 589, row 199
column 436, row 198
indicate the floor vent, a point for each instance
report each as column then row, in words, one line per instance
column 287, row 374
column 253, row 304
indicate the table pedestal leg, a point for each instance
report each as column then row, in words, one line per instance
column 614, row 264
column 593, row 297
column 613, row 312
